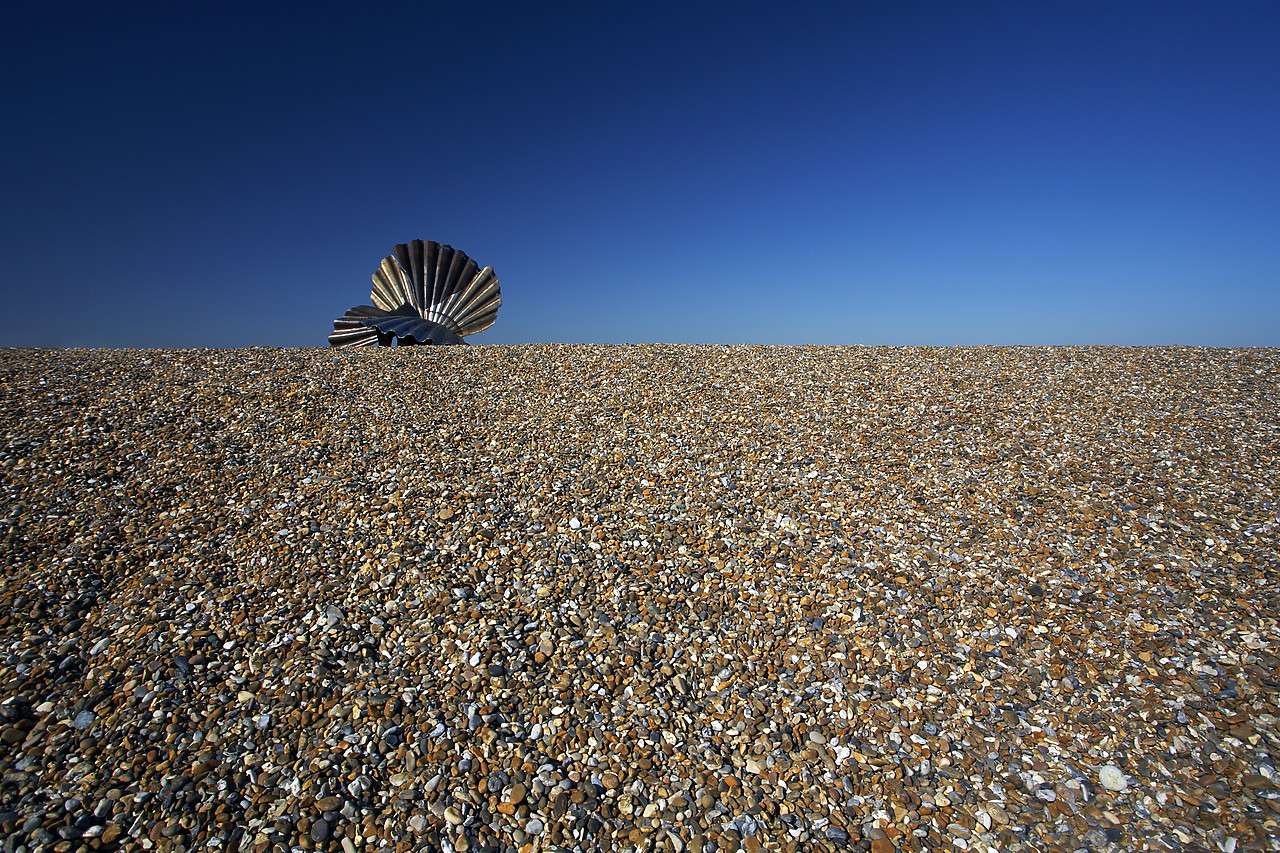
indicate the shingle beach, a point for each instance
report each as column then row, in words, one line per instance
column 653, row 597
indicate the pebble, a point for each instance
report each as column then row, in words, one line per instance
column 666, row 597
column 1112, row 778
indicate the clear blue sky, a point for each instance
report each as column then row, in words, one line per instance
column 230, row 174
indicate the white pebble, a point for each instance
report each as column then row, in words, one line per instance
column 1112, row 779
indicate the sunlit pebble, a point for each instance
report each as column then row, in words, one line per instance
column 1112, row 778
column 653, row 597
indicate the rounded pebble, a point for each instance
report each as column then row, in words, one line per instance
column 1112, row 778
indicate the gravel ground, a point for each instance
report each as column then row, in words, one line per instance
column 642, row 597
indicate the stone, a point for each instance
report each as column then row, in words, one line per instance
column 1112, row 778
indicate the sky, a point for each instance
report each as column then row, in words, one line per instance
column 202, row 174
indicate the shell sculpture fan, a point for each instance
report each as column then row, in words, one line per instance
column 423, row 293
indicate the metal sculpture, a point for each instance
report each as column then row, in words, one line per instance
column 423, row 293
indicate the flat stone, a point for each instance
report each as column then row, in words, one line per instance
column 1112, row 778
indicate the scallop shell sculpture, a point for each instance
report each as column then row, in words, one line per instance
column 423, row 293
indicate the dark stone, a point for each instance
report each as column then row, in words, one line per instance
column 837, row 835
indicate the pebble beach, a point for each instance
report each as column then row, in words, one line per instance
column 659, row 597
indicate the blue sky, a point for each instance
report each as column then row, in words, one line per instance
column 209, row 174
